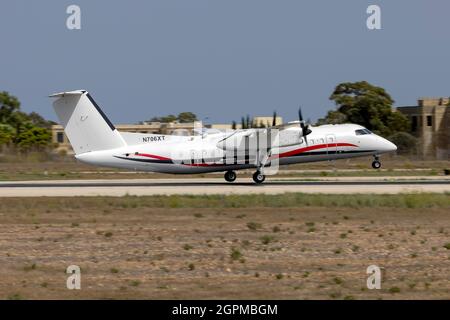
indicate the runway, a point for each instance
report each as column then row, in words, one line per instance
column 273, row 185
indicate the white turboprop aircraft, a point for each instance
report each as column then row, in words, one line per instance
column 96, row 141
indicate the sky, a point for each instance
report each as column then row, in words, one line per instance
column 221, row 59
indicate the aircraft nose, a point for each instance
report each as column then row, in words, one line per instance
column 388, row 146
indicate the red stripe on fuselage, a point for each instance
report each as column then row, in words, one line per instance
column 281, row 155
column 316, row 147
column 152, row 156
column 203, row 164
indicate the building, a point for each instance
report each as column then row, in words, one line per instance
column 430, row 122
column 266, row 121
column 257, row 123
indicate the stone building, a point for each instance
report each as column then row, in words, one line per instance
column 430, row 122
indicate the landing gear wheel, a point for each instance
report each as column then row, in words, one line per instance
column 258, row 177
column 230, row 176
column 376, row 164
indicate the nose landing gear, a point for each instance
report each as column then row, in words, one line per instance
column 258, row 177
column 376, row 164
column 230, row 176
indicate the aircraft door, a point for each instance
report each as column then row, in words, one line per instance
column 194, row 157
column 331, row 144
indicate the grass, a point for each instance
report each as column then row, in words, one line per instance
column 267, row 239
column 235, row 254
column 337, row 280
column 135, row 283
column 15, row 296
column 254, row 226
column 31, row 267
column 417, row 200
column 44, row 166
column 394, row 290
column 310, row 261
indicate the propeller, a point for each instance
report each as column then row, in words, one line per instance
column 303, row 126
column 274, row 119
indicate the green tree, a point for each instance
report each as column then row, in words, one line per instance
column 367, row 105
column 333, row 117
column 406, row 143
column 33, row 138
column 6, row 134
column 165, row 119
column 39, row 121
column 8, row 105
column 183, row 117
column 24, row 130
column 248, row 122
column 186, row 117
column 243, row 123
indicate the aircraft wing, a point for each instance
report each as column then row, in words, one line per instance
column 239, row 134
column 284, row 125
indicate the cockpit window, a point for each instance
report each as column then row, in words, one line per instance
column 361, row 132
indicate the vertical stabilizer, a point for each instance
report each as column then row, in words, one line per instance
column 85, row 124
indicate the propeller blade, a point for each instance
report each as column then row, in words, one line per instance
column 274, row 120
column 303, row 126
column 300, row 116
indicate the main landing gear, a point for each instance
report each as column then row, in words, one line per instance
column 230, row 176
column 376, row 164
column 258, row 177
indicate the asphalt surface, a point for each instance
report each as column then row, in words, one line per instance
column 273, row 185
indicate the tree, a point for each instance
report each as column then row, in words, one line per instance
column 19, row 128
column 39, row 121
column 333, row 117
column 186, row 117
column 248, row 122
column 166, row 119
column 6, row 134
column 33, row 138
column 367, row 105
column 406, row 143
column 8, row 105
column 243, row 124
column 183, row 117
